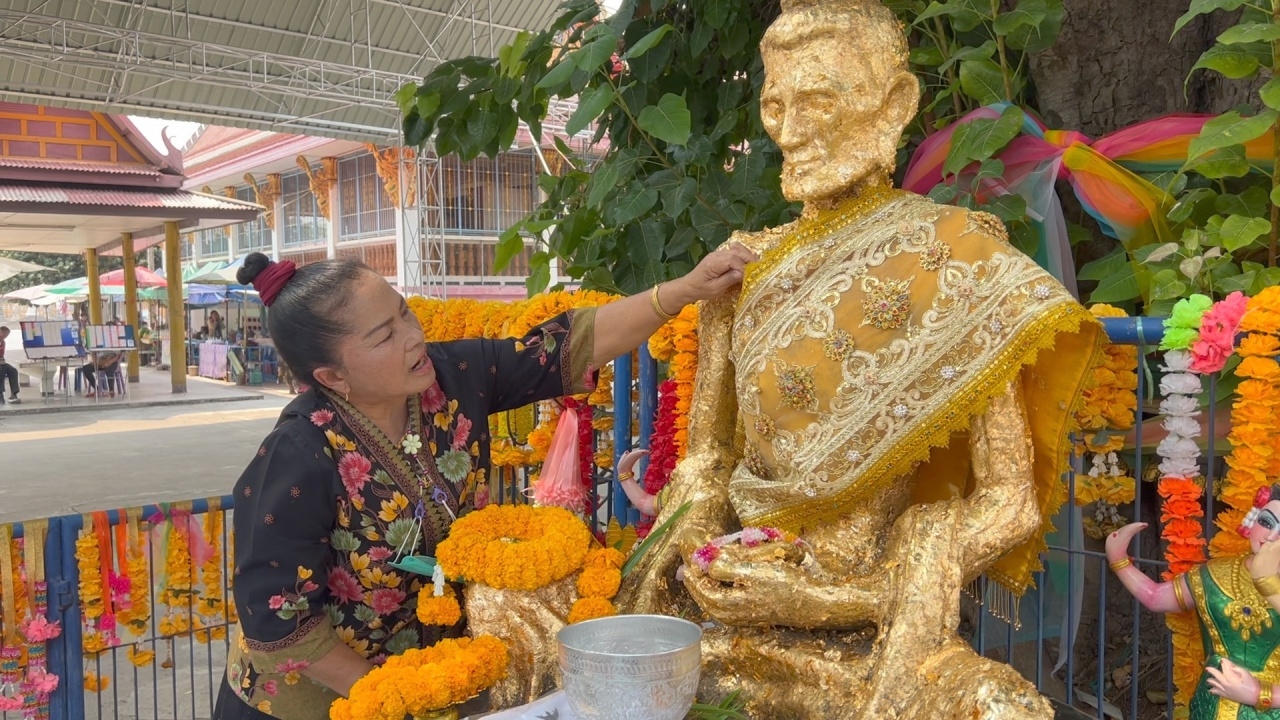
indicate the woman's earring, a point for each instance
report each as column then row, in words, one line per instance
column 346, row 397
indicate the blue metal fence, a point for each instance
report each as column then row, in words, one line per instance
column 1091, row 675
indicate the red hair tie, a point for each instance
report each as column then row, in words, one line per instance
column 272, row 280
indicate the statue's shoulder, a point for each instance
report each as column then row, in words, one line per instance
column 954, row 223
column 761, row 241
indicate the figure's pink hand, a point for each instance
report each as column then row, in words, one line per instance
column 1118, row 541
column 1234, row 683
column 628, row 461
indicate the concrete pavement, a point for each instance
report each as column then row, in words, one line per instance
column 58, row 463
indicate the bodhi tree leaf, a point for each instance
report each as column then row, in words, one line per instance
column 668, row 121
column 1231, row 129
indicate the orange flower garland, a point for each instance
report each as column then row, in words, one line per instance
column 212, row 603
column 676, row 343
column 92, row 601
column 599, row 582
column 136, row 617
column 438, row 610
column 422, row 681
column 1106, row 411
column 1255, row 432
column 179, row 584
column 514, row 546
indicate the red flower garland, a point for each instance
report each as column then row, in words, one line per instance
column 586, row 449
column 663, row 453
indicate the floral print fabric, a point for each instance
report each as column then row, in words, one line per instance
column 330, row 502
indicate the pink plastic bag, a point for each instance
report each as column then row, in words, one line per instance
column 560, row 482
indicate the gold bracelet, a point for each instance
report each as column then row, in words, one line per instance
column 626, row 476
column 1178, row 594
column 1268, row 586
column 1119, row 565
column 1264, row 695
column 657, row 306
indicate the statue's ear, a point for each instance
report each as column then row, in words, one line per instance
column 901, row 100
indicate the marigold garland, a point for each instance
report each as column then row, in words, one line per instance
column 1255, row 432
column 599, row 582
column 179, row 585
column 136, row 615
column 438, row 609
column 514, row 546
column 1107, row 409
column 421, row 681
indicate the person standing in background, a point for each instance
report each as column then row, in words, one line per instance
column 7, row 371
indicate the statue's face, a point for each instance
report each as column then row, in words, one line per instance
column 836, row 116
column 1267, row 527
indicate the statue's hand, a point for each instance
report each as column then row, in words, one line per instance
column 1234, row 683
column 1118, row 541
column 745, row 586
column 755, row 587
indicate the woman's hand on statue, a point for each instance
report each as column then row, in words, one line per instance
column 1267, row 560
column 719, row 272
column 1234, row 683
column 1118, row 541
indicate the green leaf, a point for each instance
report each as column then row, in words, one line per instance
column 1239, row 231
column 1041, row 36
column 676, row 201
column 539, row 273
column 986, row 50
column 558, row 75
column 1228, row 162
column 654, row 536
column 1270, row 93
column 928, row 56
column 978, row 140
column 1267, row 277
column 1106, row 266
column 510, row 244
column 646, row 43
column 1275, row 196
column 646, row 249
column 1186, row 204
column 1202, row 7
column 1008, row 208
column 1252, row 202
column 416, row 129
column 1250, row 32
column 1234, row 61
column 1117, row 287
column 668, row 121
column 981, row 80
column 603, row 181
column 406, row 96
column 597, row 52
column 1026, row 13
column 590, row 105
column 1167, row 285
column 634, row 200
column 1231, row 129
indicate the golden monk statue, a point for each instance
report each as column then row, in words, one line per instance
column 894, row 386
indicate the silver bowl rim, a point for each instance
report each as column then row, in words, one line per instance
column 599, row 653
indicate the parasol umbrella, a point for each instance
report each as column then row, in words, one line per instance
column 145, row 278
column 28, row 294
column 10, row 267
column 74, row 286
column 225, row 275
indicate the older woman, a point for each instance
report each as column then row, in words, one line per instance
column 390, row 435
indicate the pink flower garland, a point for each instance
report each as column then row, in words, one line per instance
column 1218, row 328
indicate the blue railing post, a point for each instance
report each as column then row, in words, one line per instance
column 68, row 603
column 60, row 594
column 621, row 431
column 648, row 407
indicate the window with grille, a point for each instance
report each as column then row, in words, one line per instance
column 487, row 195
column 301, row 223
column 254, row 235
column 363, row 208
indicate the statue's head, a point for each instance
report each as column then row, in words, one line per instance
column 837, row 93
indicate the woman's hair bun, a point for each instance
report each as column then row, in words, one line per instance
column 254, row 264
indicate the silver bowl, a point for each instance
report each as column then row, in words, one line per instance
column 631, row 667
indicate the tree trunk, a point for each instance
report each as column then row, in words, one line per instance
column 1115, row 64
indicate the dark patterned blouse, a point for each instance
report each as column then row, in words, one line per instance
column 330, row 501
